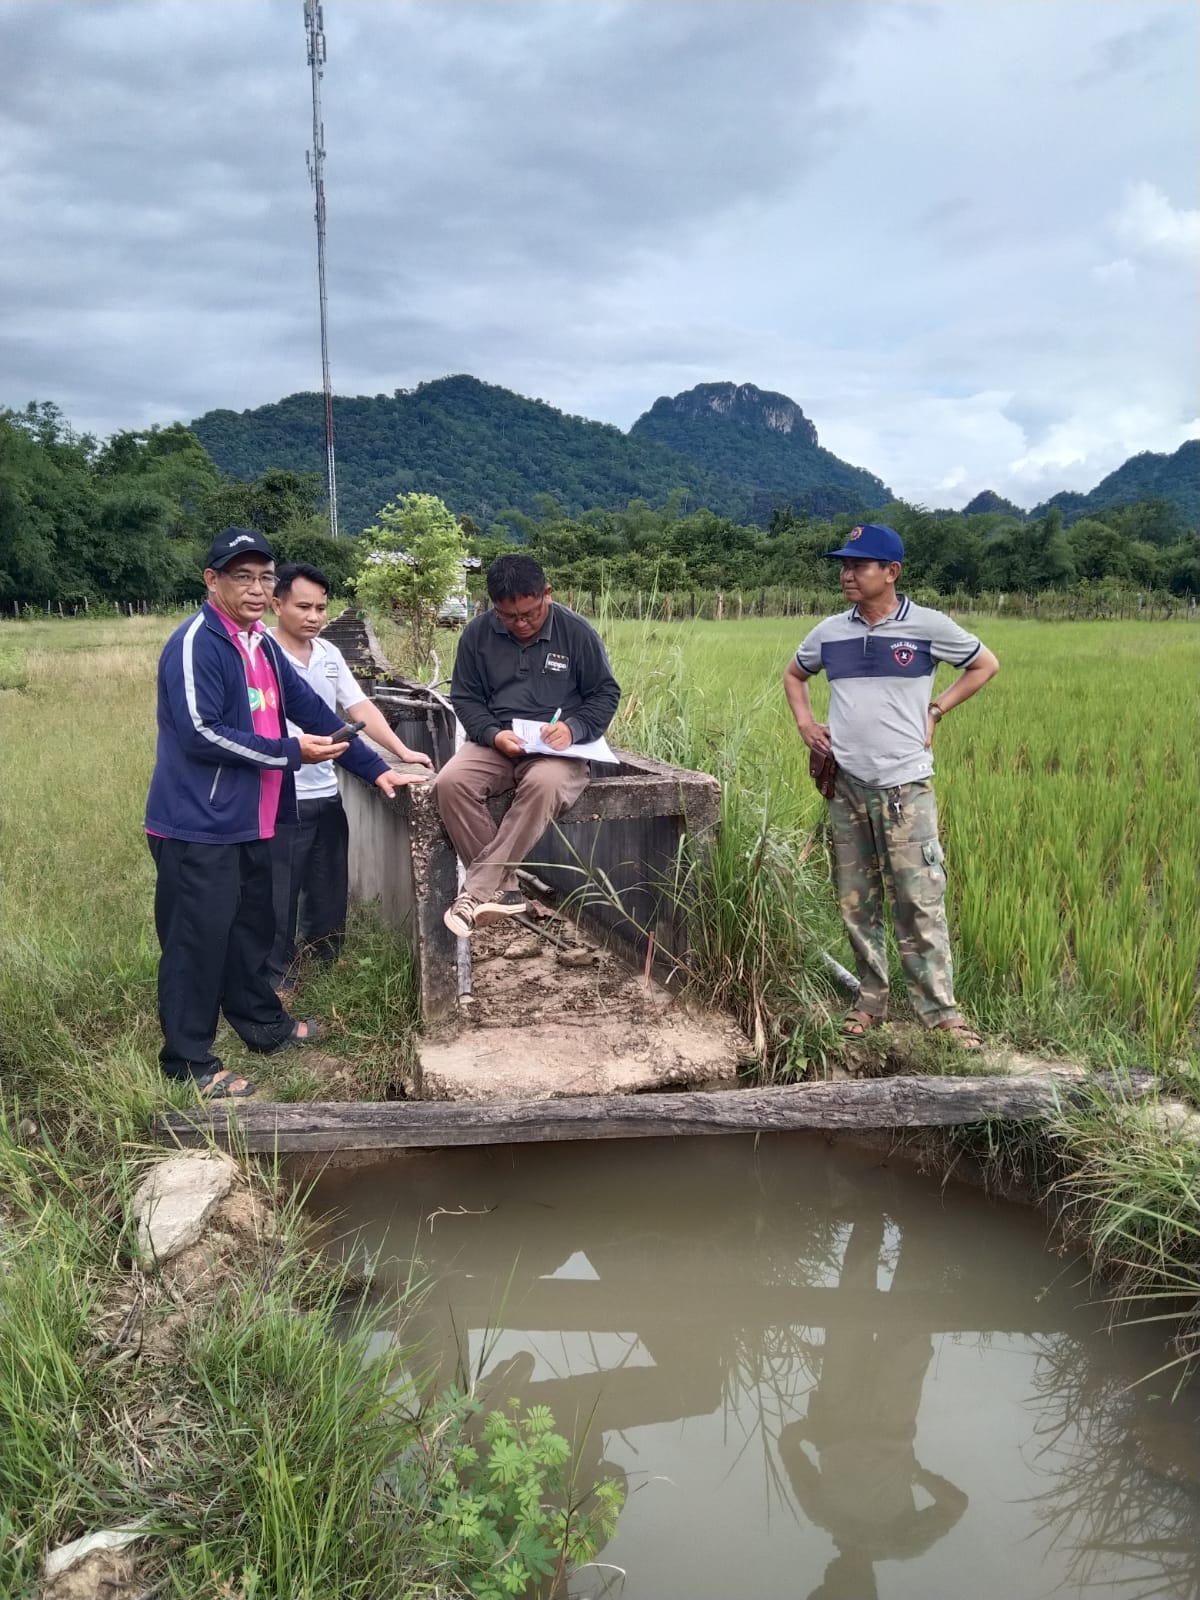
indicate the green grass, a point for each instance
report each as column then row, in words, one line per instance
column 253, row 1446
column 1068, row 814
column 271, row 1447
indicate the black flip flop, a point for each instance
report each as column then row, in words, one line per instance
column 218, row 1085
column 297, row 1041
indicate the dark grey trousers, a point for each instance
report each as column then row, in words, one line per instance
column 310, row 885
column 215, row 924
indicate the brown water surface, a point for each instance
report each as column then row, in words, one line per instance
column 820, row 1376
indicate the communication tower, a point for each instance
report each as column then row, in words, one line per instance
column 314, row 27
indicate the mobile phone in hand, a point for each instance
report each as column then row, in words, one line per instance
column 347, row 731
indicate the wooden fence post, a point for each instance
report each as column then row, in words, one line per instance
column 720, row 606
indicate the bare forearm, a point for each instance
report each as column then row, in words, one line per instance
column 981, row 671
column 815, row 734
column 378, row 728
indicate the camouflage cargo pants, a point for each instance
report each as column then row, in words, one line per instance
column 891, row 836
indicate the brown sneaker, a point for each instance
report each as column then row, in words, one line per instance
column 508, row 903
column 460, row 917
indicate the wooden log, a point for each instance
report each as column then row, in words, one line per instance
column 901, row 1102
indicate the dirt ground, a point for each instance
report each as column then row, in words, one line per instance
column 545, row 1021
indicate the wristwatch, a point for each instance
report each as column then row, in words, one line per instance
column 936, row 712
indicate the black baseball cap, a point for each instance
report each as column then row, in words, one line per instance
column 231, row 542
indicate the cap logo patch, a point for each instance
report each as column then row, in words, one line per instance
column 242, row 538
column 905, row 653
column 855, row 533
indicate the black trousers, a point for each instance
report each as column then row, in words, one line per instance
column 311, row 884
column 215, row 923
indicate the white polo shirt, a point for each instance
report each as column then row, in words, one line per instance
column 880, row 681
column 327, row 675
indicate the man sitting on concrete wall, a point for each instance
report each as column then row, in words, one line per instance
column 530, row 658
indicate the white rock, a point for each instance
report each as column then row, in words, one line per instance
column 70, row 1555
column 173, row 1203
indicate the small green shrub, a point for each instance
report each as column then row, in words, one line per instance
column 504, row 1517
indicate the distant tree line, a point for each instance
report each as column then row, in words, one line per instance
column 129, row 519
column 1142, row 546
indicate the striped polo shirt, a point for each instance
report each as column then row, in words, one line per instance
column 880, row 685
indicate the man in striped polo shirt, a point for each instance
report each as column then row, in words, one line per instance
column 880, row 658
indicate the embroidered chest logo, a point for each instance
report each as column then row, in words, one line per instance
column 557, row 663
column 905, row 653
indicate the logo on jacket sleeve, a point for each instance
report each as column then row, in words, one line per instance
column 905, row 653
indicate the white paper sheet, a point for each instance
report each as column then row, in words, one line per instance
column 530, row 735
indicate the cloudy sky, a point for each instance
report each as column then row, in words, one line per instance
column 962, row 234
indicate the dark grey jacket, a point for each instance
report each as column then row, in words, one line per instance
column 565, row 667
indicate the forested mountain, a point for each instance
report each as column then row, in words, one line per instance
column 129, row 519
column 481, row 448
column 732, row 449
column 763, row 439
column 484, row 449
column 987, row 500
column 1147, row 476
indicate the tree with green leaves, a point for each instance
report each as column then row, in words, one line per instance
column 412, row 562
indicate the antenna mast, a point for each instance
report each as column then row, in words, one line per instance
column 314, row 27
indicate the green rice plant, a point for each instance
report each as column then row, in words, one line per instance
column 1129, row 1192
column 1065, row 790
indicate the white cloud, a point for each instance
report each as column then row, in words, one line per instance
column 1119, row 272
column 1149, row 224
column 974, row 284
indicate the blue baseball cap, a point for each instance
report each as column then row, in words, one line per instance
column 871, row 541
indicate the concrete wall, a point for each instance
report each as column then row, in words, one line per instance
column 627, row 827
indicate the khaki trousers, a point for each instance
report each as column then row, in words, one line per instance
column 545, row 785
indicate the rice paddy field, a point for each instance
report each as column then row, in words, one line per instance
column 1068, row 798
column 1068, row 794
column 1067, row 790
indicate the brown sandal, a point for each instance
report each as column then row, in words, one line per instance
column 962, row 1032
column 856, row 1023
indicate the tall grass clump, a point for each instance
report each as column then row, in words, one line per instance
column 761, row 917
column 1128, row 1191
column 246, row 1431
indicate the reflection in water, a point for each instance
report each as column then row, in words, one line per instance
column 818, row 1377
column 861, row 1423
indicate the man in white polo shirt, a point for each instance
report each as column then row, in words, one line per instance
column 309, row 860
column 880, row 658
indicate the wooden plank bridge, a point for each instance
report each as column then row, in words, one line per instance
column 879, row 1103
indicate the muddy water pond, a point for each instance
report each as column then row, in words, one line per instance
column 818, row 1373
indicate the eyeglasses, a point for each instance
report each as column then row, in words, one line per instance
column 520, row 618
column 251, row 580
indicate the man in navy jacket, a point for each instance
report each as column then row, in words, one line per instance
column 222, row 778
